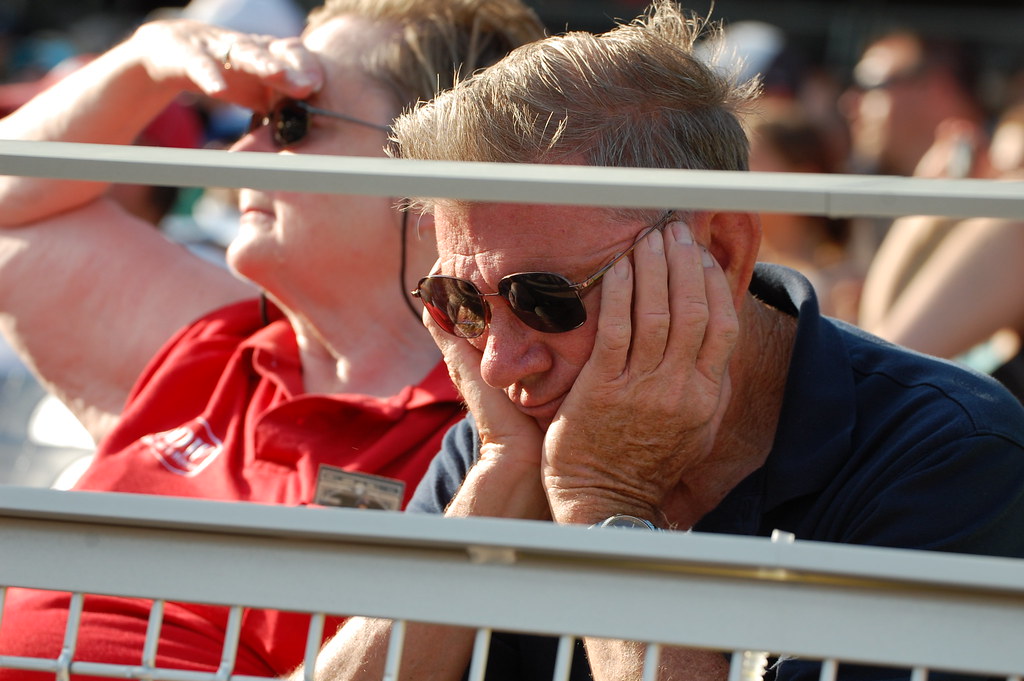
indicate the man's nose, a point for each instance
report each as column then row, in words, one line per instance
column 511, row 350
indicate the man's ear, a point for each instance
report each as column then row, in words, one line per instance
column 734, row 241
column 420, row 243
column 423, row 226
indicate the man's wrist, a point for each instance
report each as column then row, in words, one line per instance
column 580, row 504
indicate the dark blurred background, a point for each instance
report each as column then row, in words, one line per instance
column 829, row 32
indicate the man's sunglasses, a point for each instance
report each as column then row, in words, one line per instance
column 544, row 301
column 289, row 121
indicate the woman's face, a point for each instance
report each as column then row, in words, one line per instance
column 310, row 249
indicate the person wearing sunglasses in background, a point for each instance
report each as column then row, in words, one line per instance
column 188, row 383
column 635, row 368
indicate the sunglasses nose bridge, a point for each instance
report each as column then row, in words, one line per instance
column 506, row 314
column 487, row 308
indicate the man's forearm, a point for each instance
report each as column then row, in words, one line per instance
column 359, row 651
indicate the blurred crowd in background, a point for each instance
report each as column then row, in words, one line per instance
column 886, row 97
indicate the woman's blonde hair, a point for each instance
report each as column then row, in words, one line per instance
column 436, row 42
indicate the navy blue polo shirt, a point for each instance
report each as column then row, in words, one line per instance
column 876, row 445
column 880, row 445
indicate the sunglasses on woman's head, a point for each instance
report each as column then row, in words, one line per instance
column 544, row 301
column 289, row 121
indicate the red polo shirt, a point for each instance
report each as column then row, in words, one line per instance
column 219, row 414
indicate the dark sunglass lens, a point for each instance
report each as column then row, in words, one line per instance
column 544, row 301
column 291, row 123
column 456, row 305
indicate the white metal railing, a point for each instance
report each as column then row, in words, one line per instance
column 914, row 610
column 909, row 609
column 809, row 193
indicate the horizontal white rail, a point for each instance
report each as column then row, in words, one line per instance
column 816, row 194
column 814, row 600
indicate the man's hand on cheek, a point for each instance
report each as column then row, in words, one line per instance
column 503, row 428
column 647, row 405
column 505, row 481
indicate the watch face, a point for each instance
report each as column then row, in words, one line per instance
column 628, row 521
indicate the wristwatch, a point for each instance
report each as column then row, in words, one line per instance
column 620, row 520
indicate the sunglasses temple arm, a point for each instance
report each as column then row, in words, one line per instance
column 592, row 279
column 334, row 114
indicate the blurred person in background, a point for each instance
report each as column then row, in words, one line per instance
column 791, row 78
column 783, row 139
column 795, row 126
column 906, row 88
column 955, row 288
column 289, row 379
column 908, row 91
